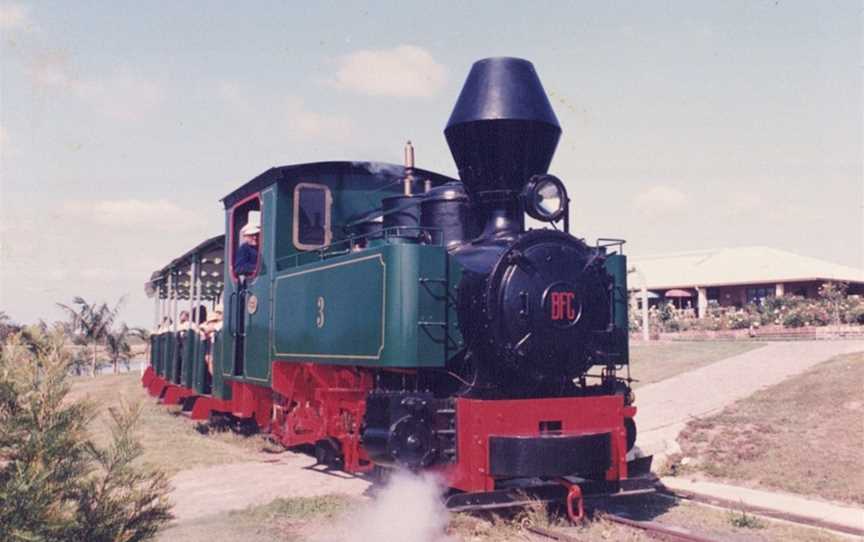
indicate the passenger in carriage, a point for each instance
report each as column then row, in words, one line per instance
column 246, row 259
column 200, row 316
column 183, row 323
column 209, row 330
column 165, row 326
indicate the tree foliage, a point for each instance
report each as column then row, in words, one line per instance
column 55, row 483
column 90, row 324
column 117, row 346
column 7, row 327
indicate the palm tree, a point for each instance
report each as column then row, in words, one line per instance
column 91, row 324
column 144, row 335
column 117, row 345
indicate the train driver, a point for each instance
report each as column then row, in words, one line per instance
column 246, row 260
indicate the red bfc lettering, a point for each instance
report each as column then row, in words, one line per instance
column 562, row 306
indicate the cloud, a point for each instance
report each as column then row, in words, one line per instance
column 100, row 250
column 659, row 200
column 316, row 125
column 288, row 115
column 14, row 17
column 163, row 215
column 51, row 69
column 121, row 95
column 404, row 71
column 743, row 202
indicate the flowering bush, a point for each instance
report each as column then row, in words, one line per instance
column 853, row 310
column 741, row 319
column 832, row 307
column 807, row 313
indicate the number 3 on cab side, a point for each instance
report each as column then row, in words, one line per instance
column 319, row 319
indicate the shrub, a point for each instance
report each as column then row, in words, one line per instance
column 673, row 325
column 833, row 294
column 740, row 320
column 55, row 484
column 854, row 311
column 807, row 313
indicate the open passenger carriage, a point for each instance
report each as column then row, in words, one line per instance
column 178, row 353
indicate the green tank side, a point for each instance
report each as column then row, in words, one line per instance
column 382, row 307
column 616, row 265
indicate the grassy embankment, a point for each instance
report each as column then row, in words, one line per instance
column 171, row 442
column 803, row 435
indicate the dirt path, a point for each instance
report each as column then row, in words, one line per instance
column 665, row 407
column 206, row 491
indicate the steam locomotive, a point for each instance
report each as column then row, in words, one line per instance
column 401, row 318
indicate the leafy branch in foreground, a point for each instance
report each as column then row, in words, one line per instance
column 55, row 483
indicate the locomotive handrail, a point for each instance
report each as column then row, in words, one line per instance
column 435, row 237
column 603, row 242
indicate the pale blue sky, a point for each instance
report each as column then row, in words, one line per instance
column 687, row 125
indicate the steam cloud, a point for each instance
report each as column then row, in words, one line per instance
column 408, row 509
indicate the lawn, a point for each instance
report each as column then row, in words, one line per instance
column 655, row 361
column 171, row 442
column 329, row 518
column 803, row 435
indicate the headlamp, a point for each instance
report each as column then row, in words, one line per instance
column 545, row 198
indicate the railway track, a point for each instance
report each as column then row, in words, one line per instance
column 680, row 534
column 652, row 528
column 759, row 511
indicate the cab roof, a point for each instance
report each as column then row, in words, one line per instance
column 385, row 172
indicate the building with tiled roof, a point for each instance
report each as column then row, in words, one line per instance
column 733, row 277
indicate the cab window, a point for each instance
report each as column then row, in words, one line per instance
column 246, row 238
column 312, row 203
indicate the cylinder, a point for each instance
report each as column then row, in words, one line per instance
column 402, row 216
column 446, row 214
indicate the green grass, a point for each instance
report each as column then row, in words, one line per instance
column 322, row 507
column 655, row 361
column 317, row 518
column 803, row 435
column 282, row 519
column 171, row 442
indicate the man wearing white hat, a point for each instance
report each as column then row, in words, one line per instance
column 246, row 260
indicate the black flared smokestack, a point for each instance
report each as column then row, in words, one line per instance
column 502, row 130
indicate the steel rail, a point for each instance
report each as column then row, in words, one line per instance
column 675, row 534
column 759, row 511
column 654, row 529
column 561, row 537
